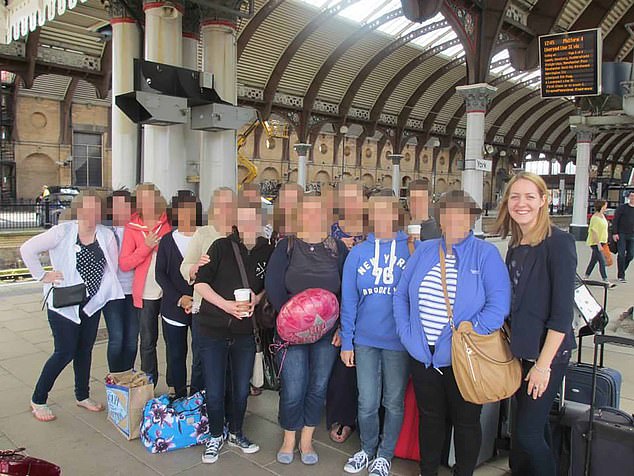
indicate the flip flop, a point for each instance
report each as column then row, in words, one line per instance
column 42, row 413
column 340, row 433
column 90, row 405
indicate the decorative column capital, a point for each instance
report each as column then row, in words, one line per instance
column 395, row 158
column 191, row 20
column 153, row 4
column 477, row 96
column 119, row 13
column 302, row 149
column 584, row 134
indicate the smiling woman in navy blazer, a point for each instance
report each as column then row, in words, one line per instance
column 542, row 263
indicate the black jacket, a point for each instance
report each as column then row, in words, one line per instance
column 223, row 276
column 623, row 221
column 169, row 277
column 544, row 297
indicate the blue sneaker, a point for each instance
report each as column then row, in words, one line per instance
column 242, row 442
column 212, row 449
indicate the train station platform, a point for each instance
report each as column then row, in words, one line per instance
column 86, row 444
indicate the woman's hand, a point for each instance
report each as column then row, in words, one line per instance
column 53, row 277
column 152, row 239
column 347, row 357
column 238, row 309
column 202, row 261
column 186, row 303
column 537, row 379
column 336, row 339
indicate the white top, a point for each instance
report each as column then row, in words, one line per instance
column 59, row 241
column 125, row 277
column 152, row 291
column 431, row 299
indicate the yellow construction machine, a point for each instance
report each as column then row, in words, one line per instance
column 272, row 128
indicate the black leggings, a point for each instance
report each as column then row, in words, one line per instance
column 440, row 404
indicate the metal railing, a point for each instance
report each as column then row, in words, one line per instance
column 24, row 215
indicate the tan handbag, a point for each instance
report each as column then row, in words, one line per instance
column 483, row 365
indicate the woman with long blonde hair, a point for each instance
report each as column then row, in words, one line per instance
column 542, row 263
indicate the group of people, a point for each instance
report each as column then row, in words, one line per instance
column 144, row 263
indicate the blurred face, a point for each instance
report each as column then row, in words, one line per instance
column 249, row 224
column 312, row 219
column 147, row 202
column 351, row 200
column 121, row 210
column 631, row 199
column 90, row 211
column 419, row 204
column 455, row 222
column 224, row 211
column 186, row 217
column 288, row 199
column 524, row 203
column 604, row 208
column 383, row 215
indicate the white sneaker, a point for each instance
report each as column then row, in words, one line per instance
column 357, row 462
column 379, row 467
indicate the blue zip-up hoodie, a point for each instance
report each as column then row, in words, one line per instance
column 483, row 296
column 370, row 275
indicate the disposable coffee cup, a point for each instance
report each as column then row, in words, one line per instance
column 243, row 295
column 413, row 230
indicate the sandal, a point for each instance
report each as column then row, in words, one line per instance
column 42, row 413
column 255, row 391
column 340, row 433
column 90, row 405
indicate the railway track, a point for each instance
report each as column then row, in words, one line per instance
column 17, row 275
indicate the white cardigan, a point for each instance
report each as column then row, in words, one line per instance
column 61, row 243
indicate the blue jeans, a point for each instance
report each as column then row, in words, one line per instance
column 176, row 347
column 597, row 257
column 531, row 452
column 386, row 370
column 304, row 379
column 625, row 247
column 72, row 343
column 215, row 354
column 122, row 322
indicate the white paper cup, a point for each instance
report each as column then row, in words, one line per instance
column 413, row 230
column 243, row 295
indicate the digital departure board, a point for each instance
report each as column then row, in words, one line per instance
column 571, row 63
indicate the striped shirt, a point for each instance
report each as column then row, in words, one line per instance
column 431, row 299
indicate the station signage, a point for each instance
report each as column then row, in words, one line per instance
column 570, row 63
column 485, row 165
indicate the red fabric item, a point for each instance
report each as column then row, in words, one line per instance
column 407, row 444
column 136, row 255
column 308, row 316
column 14, row 463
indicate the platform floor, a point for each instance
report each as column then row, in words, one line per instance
column 84, row 443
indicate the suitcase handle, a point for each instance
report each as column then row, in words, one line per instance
column 616, row 340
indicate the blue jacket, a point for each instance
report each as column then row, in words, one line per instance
column 370, row 276
column 483, row 296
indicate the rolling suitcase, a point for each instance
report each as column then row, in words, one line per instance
column 604, row 439
column 579, row 375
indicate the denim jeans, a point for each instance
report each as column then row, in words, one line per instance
column 72, row 343
column 148, row 322
column 387, row 371
column 597, row 257
column 531, row 452
column 176, row 347
column 304, row 379
column 122, row 322
column 625, row 247
column 216, row 354
column 440, row 404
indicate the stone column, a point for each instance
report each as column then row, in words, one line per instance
column 192, row 138
column 477, row 97
column 396, row 173
column 302, row 152
column 579, row 225
column 163, row 158
column 218, row 160
column 126, row 46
